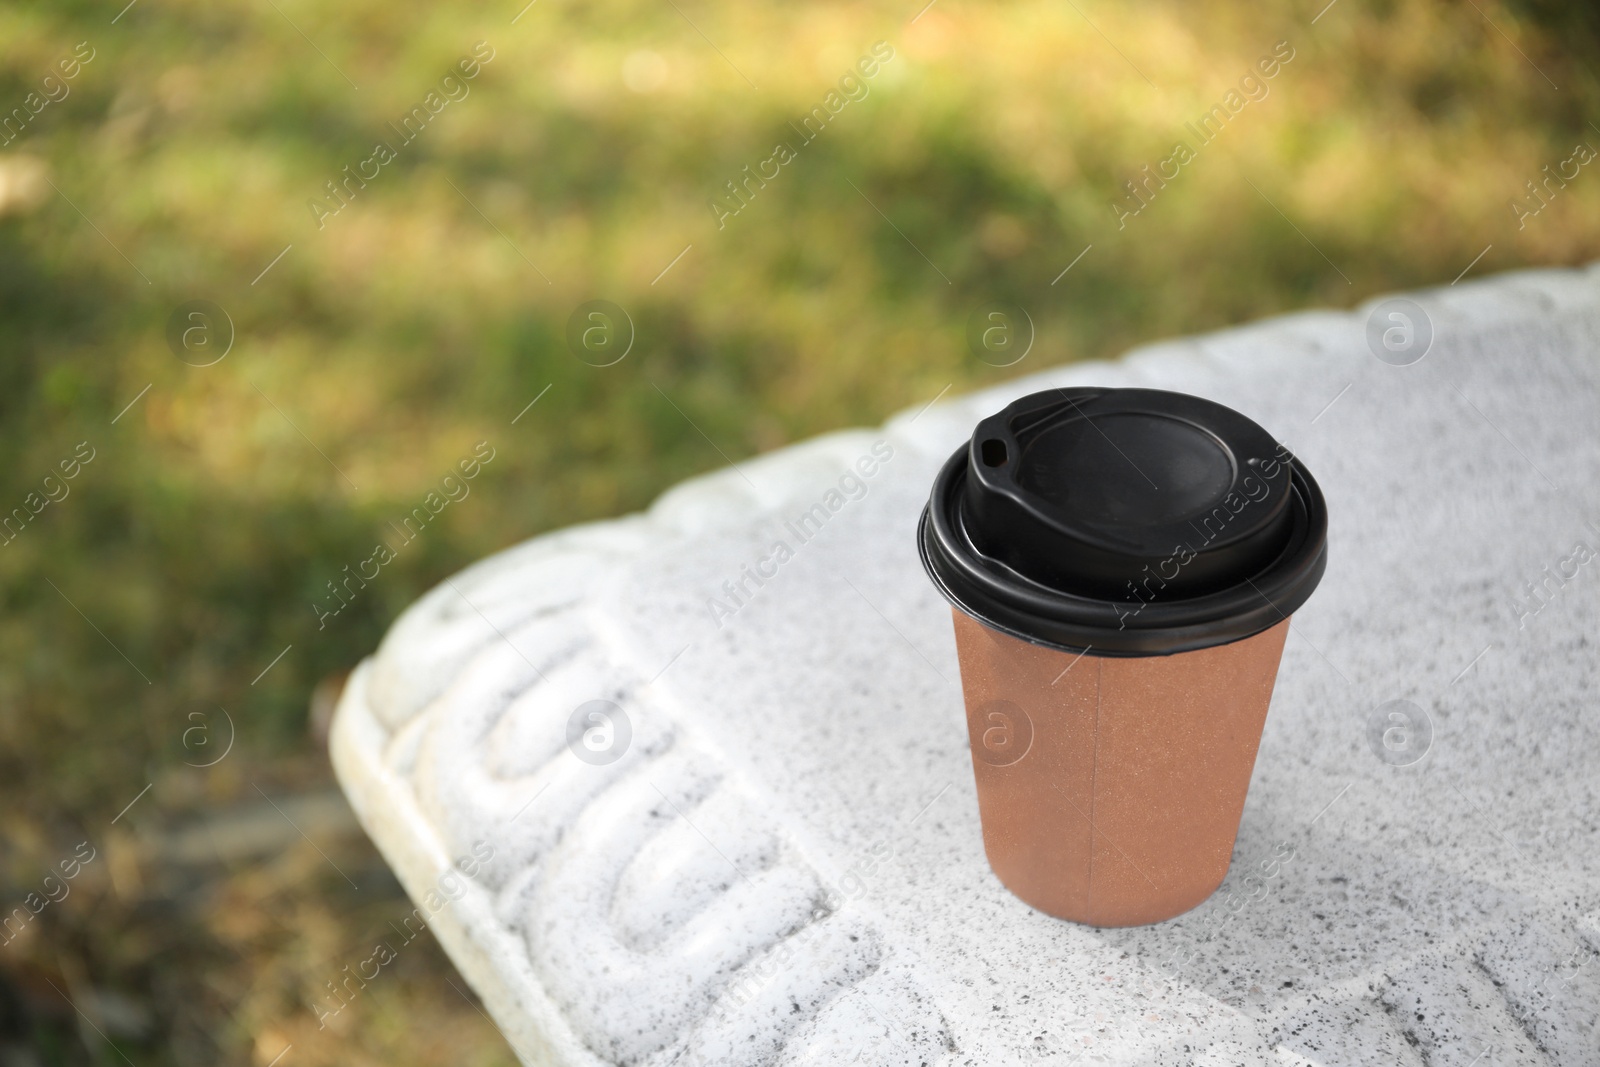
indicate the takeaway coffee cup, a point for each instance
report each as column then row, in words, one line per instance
column 1121, row 565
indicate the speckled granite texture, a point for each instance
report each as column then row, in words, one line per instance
column 785, row 865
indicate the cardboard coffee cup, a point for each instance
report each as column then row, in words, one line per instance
column 1122, row 565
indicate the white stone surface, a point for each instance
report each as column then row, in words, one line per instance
column 668, row 908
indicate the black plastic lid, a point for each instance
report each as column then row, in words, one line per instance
column 1129, row 522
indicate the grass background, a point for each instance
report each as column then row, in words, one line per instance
column 427, row 313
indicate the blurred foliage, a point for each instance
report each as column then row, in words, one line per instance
column 421, row 318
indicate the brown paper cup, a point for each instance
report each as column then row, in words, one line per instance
column 1122, row 565
column 1111, row 787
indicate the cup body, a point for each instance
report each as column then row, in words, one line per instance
column 1111, row 787
column 1122, row 565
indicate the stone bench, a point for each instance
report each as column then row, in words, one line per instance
column 669, row 793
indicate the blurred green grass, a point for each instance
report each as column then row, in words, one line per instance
column 424, row 316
